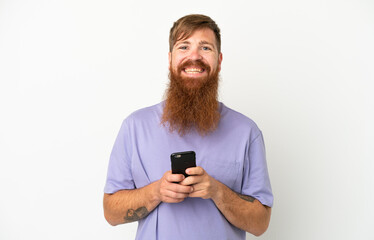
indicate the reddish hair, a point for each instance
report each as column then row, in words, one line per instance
column 184, row 27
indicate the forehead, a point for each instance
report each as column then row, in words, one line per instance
column 205, row 34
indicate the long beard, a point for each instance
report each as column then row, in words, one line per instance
column 191, row 103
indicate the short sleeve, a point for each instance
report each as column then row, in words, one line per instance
column 256, row 182
column 119, row 175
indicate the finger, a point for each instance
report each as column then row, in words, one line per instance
column 175, row 187
column 191, row 180
column 174, row 177
column 195, row 171
column 199, row 187
column 197, row 193
column 171, row 194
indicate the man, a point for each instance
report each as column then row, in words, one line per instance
column 228, row 192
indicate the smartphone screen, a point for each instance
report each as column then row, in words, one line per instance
column 180, row 161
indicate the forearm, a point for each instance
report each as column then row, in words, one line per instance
column 130, row 205
column 242, row 211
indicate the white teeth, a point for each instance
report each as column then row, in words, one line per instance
column 193, row 70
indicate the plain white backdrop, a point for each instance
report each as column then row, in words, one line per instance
column 71, row 71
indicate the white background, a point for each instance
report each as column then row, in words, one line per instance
column 71, row 71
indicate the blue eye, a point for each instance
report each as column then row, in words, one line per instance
column 206, row 48
column 183, row 47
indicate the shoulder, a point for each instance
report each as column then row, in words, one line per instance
column 236, row 117
column 146, row 115
column 238, row 122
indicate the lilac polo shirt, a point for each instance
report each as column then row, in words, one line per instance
column 234, row 154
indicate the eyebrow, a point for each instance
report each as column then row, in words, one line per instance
column 184, row 42
column 207, row 43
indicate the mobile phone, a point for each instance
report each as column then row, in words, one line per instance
column 180, row 161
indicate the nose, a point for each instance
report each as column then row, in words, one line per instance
column 195, row 54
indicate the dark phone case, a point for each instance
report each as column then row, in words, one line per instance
column 180, row 161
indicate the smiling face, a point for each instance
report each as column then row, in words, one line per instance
column 192, row 94
column 195, row 58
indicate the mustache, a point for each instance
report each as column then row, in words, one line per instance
column 198, row 63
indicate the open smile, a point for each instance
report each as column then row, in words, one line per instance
column 194, row 70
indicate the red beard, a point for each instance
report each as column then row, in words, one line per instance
column 192, row 103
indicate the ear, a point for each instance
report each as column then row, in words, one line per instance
column 169, row 56
column 220, row 58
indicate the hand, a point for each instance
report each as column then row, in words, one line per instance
column 169, row 189
column 204, row 186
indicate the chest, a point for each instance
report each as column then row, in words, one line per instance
column 221, row 157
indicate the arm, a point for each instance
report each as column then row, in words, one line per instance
column 132, row 205
column 242, row 211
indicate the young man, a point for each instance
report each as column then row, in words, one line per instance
column 228, row 192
